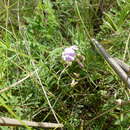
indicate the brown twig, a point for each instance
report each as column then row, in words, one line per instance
column 13, row 122
column 112, row 62
column 123, row 65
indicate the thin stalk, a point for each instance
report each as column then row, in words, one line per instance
column 40, row 82
column 105, row 112
column 126, row 47
column 86, row 30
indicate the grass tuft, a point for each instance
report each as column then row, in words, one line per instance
column 33, row 35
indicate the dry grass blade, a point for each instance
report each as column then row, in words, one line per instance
column 105, row 112
column 18, row 82
column 40, row 82
column 13, row 122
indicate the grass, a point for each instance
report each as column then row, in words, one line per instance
column 33, row 35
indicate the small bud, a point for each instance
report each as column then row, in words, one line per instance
column 119, row 101
column 73, row 83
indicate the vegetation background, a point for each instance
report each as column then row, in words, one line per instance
column 33, row 34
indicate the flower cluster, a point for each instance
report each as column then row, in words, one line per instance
column 69, row 54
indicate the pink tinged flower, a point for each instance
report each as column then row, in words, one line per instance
column 68, row 58
column 69, row 53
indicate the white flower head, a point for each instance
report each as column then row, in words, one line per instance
column 69, row 54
